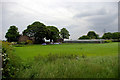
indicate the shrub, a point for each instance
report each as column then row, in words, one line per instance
column 22, row 43
column 18, row 45
column 29, row 42
column 13, row 43
column 107, row 41
column 11, row 63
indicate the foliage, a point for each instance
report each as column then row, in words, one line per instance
column 107, row 35
column 19, row 45
column 12, row 34
column 29, row 42
column 13, row 43
column 11, row 62
column 92, row 35
column 22, row 43
column 36, row 30
column 52, row 33
column 116, row 35
column 107, row 41
column 84, row 37
column 64, row 33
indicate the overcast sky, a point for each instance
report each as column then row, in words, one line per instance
column 77, row 16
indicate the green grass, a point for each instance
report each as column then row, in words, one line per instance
column 73, row 60
column 29, row 51
column 71, row 67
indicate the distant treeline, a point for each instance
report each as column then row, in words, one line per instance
column 39, row 32
column 108, row 35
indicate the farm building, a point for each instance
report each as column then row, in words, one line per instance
column 85, row 41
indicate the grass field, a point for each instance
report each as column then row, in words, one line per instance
column 106, row 49
column 73, row 60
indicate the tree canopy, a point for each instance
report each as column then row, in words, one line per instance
column 92, row 35
column 12, row 34
column 36, row 30
column 107, row 35
column 116, row 35
column 64, row 33
column 52, row 33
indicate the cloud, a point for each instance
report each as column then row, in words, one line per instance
column 78, row 17
column 0, row 21
column 100, row 18
column 102, row 11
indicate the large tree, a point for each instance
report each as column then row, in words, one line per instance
column 107, row 35
column 52, row 33
column 64, row 33
column 37, row 31
column 92, row 35
column 116, row 35
column 12, row 34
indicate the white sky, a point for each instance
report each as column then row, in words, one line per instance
column 78, row 16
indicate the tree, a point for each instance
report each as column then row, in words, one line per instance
column 84, row 37
column 92, row 35
column 64, row 33
column 37, row 31
column 12, row 34
column 52, row 33
column 116, row 35
column 107, row 35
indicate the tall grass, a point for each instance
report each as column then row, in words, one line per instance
column 70, row 66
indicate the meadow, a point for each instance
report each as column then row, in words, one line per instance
column 67, row 60
column 87, row 49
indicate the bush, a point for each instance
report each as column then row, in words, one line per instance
column 29, row 42
column 18, row 45
column 11, row 63
column 22, row 43
column 13, row 43
column 107, row 41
